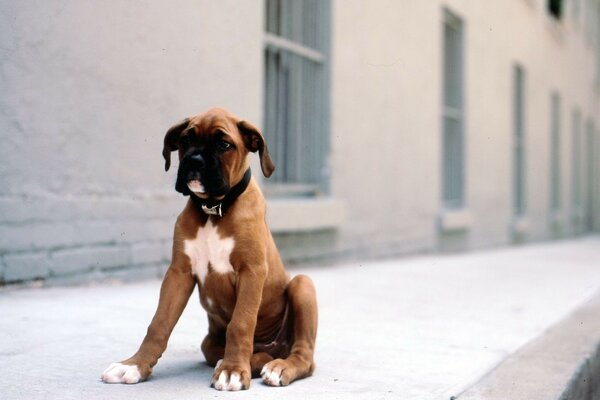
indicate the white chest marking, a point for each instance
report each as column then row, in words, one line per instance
column 209, row 248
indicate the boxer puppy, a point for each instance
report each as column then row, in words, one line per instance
column 259, row 321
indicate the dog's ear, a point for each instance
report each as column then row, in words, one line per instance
column 254, row 142
column 171, row 138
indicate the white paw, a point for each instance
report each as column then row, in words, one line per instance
column 234, row 383
column 121, row 373
column 271, row 377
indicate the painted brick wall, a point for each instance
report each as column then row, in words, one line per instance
column 54, row 239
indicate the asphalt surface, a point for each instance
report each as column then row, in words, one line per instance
column 425, row 327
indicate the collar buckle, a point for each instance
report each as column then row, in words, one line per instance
column 215, row 210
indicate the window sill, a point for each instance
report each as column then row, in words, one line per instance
column 455, row 220
column 305, row 214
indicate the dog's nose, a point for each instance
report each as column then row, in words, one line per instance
column 198, row 159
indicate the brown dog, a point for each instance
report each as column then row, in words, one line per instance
column 260, row 321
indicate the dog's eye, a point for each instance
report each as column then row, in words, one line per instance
column 223, row 145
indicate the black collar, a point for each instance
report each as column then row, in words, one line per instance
column 219, row 207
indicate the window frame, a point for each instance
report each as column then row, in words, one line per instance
column 577, row 126
column 519, row 142
column 555, row 203
column 590, row 169
column 453, row 148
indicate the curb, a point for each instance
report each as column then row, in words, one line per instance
column 561, row 364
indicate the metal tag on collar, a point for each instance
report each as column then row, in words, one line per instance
column 215, row 210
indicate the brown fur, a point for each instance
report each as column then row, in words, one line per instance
column 250, row 302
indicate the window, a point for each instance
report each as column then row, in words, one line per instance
column 576, row 10
column 596, row 18
column 576, row 162
column 296, row 94
column 590, row 182
column 453, row 114
column 590, row 19
column 555, row 8
column 555, row 178
column 519, row 188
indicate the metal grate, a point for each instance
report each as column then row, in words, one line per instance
column 596, row 40
column 576, row 162
column 296, row 95
column 519, row 183
column 555, row 175
column 576, row 10
column 590, row 180
column 591, row 17
column 453, row 186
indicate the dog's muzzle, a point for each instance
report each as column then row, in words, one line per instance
column 195, row 184
column 200, row 175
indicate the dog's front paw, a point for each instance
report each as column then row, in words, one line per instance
column 122, row 373
column 232, row 377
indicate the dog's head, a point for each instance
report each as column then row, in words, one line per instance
column 213, row 148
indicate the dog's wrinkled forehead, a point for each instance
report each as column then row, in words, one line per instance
column 214, row 120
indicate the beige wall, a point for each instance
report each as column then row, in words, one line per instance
column 386, row 95
column 385, row 120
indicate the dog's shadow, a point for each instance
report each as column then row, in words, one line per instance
column 184, row 371
column 188, row 370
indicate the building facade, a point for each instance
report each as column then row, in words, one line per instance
column 397, row 126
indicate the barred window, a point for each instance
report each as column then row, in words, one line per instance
column 519, row 191
column 555, row 155
column 590, row 176
column 576, row 10
column 576, row 161
column 296, row 95
column 453, row 114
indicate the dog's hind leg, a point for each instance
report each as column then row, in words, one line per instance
column 213, row 349
column 258, row 361
column 300, row 364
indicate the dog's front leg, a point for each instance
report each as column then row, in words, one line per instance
column 176, row 288
column 234, row 372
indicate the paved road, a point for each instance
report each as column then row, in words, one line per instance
column 413, row 328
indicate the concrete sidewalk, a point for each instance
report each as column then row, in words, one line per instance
column 417, row 328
